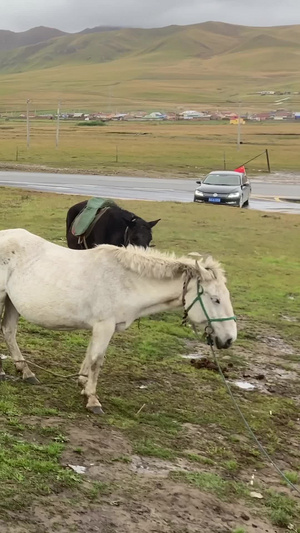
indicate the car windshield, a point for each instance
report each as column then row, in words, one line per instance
column 222, row 179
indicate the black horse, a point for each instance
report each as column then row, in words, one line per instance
column 115, row 226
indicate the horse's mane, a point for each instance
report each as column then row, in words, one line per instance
column 152, row 263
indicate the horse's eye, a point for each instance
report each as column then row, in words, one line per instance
column 215, row 300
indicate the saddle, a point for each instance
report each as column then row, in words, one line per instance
column 91, row 213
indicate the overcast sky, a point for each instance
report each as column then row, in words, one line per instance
column 76, row 15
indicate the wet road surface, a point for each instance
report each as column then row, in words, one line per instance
column 267, row 195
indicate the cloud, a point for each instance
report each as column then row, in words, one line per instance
column 76, row 15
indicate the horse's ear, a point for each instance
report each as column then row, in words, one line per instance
column 195, row 255
column 130, row 220
column 153, row 223
column 203, row 272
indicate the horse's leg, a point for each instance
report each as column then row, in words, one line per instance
column 83, row 372
column 102, row 333
column 2, row 303
column 9, row 330
column 84, row 369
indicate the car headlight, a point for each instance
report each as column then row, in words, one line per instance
column 234, row 194
column 199, row 193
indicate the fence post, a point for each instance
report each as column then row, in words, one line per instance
column 268, row 161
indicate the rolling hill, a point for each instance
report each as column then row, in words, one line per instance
column 10, row 40
column 174, row 64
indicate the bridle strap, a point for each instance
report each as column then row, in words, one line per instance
column 126, row 237
column 198, row 298
column 187, row 279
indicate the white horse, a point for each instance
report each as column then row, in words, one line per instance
column 104, row 290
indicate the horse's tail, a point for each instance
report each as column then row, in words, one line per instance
column 69, row 221
column 72, row 214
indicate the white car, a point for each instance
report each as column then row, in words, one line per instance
column 224, row 187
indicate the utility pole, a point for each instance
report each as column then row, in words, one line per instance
column 109, row 99
column 27, row 123
column 57, row 125
column 239, row 127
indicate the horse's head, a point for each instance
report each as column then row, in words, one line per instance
column 207, row 302
column 139, row 232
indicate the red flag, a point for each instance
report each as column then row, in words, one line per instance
column 240, row 169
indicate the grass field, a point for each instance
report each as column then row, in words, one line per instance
column 170, row 454
column 177, row 149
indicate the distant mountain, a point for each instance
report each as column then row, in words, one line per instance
column 177, row 64
column 10, row 40
column 46, row 47
column 99, row 29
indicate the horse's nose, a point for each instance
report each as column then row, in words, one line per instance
column 228, row 343
column 224, row 345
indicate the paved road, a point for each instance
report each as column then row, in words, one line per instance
column 265, row 196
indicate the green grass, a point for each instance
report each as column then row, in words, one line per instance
column 283, row 510
column 98, row 489
column 186, row 414
column 171, row 149
column 210, row 482
column 91, row 123
column 28, row 468
column 293, row 477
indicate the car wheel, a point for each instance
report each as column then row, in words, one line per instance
column 246, row 204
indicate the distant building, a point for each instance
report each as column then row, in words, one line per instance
column 235, row 121
column 156, row 115
column 191, row 115
column 259, row 117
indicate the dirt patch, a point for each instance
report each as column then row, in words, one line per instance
column 150, row 173
column 123, row 492
column 168, row 508
column 96, row 444
column 276, row 344
column 270, row 367
column 275, row 177
column 141, row 497
column 158, row 506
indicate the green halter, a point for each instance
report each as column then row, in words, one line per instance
column 199, row 299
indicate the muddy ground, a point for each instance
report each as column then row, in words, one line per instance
column 142, row 497
column 138, row 494
column 292, row 178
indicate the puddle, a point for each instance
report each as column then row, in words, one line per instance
column 193, row 356
column 142, row 466
column 289, row 318
column 157, row 467
column 245, row 385
column 278, row 344
column 289, row 375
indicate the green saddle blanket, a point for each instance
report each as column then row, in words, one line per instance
column 86, row 217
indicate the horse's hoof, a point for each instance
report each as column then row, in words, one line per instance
column 96, row 410
column 32, row 380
